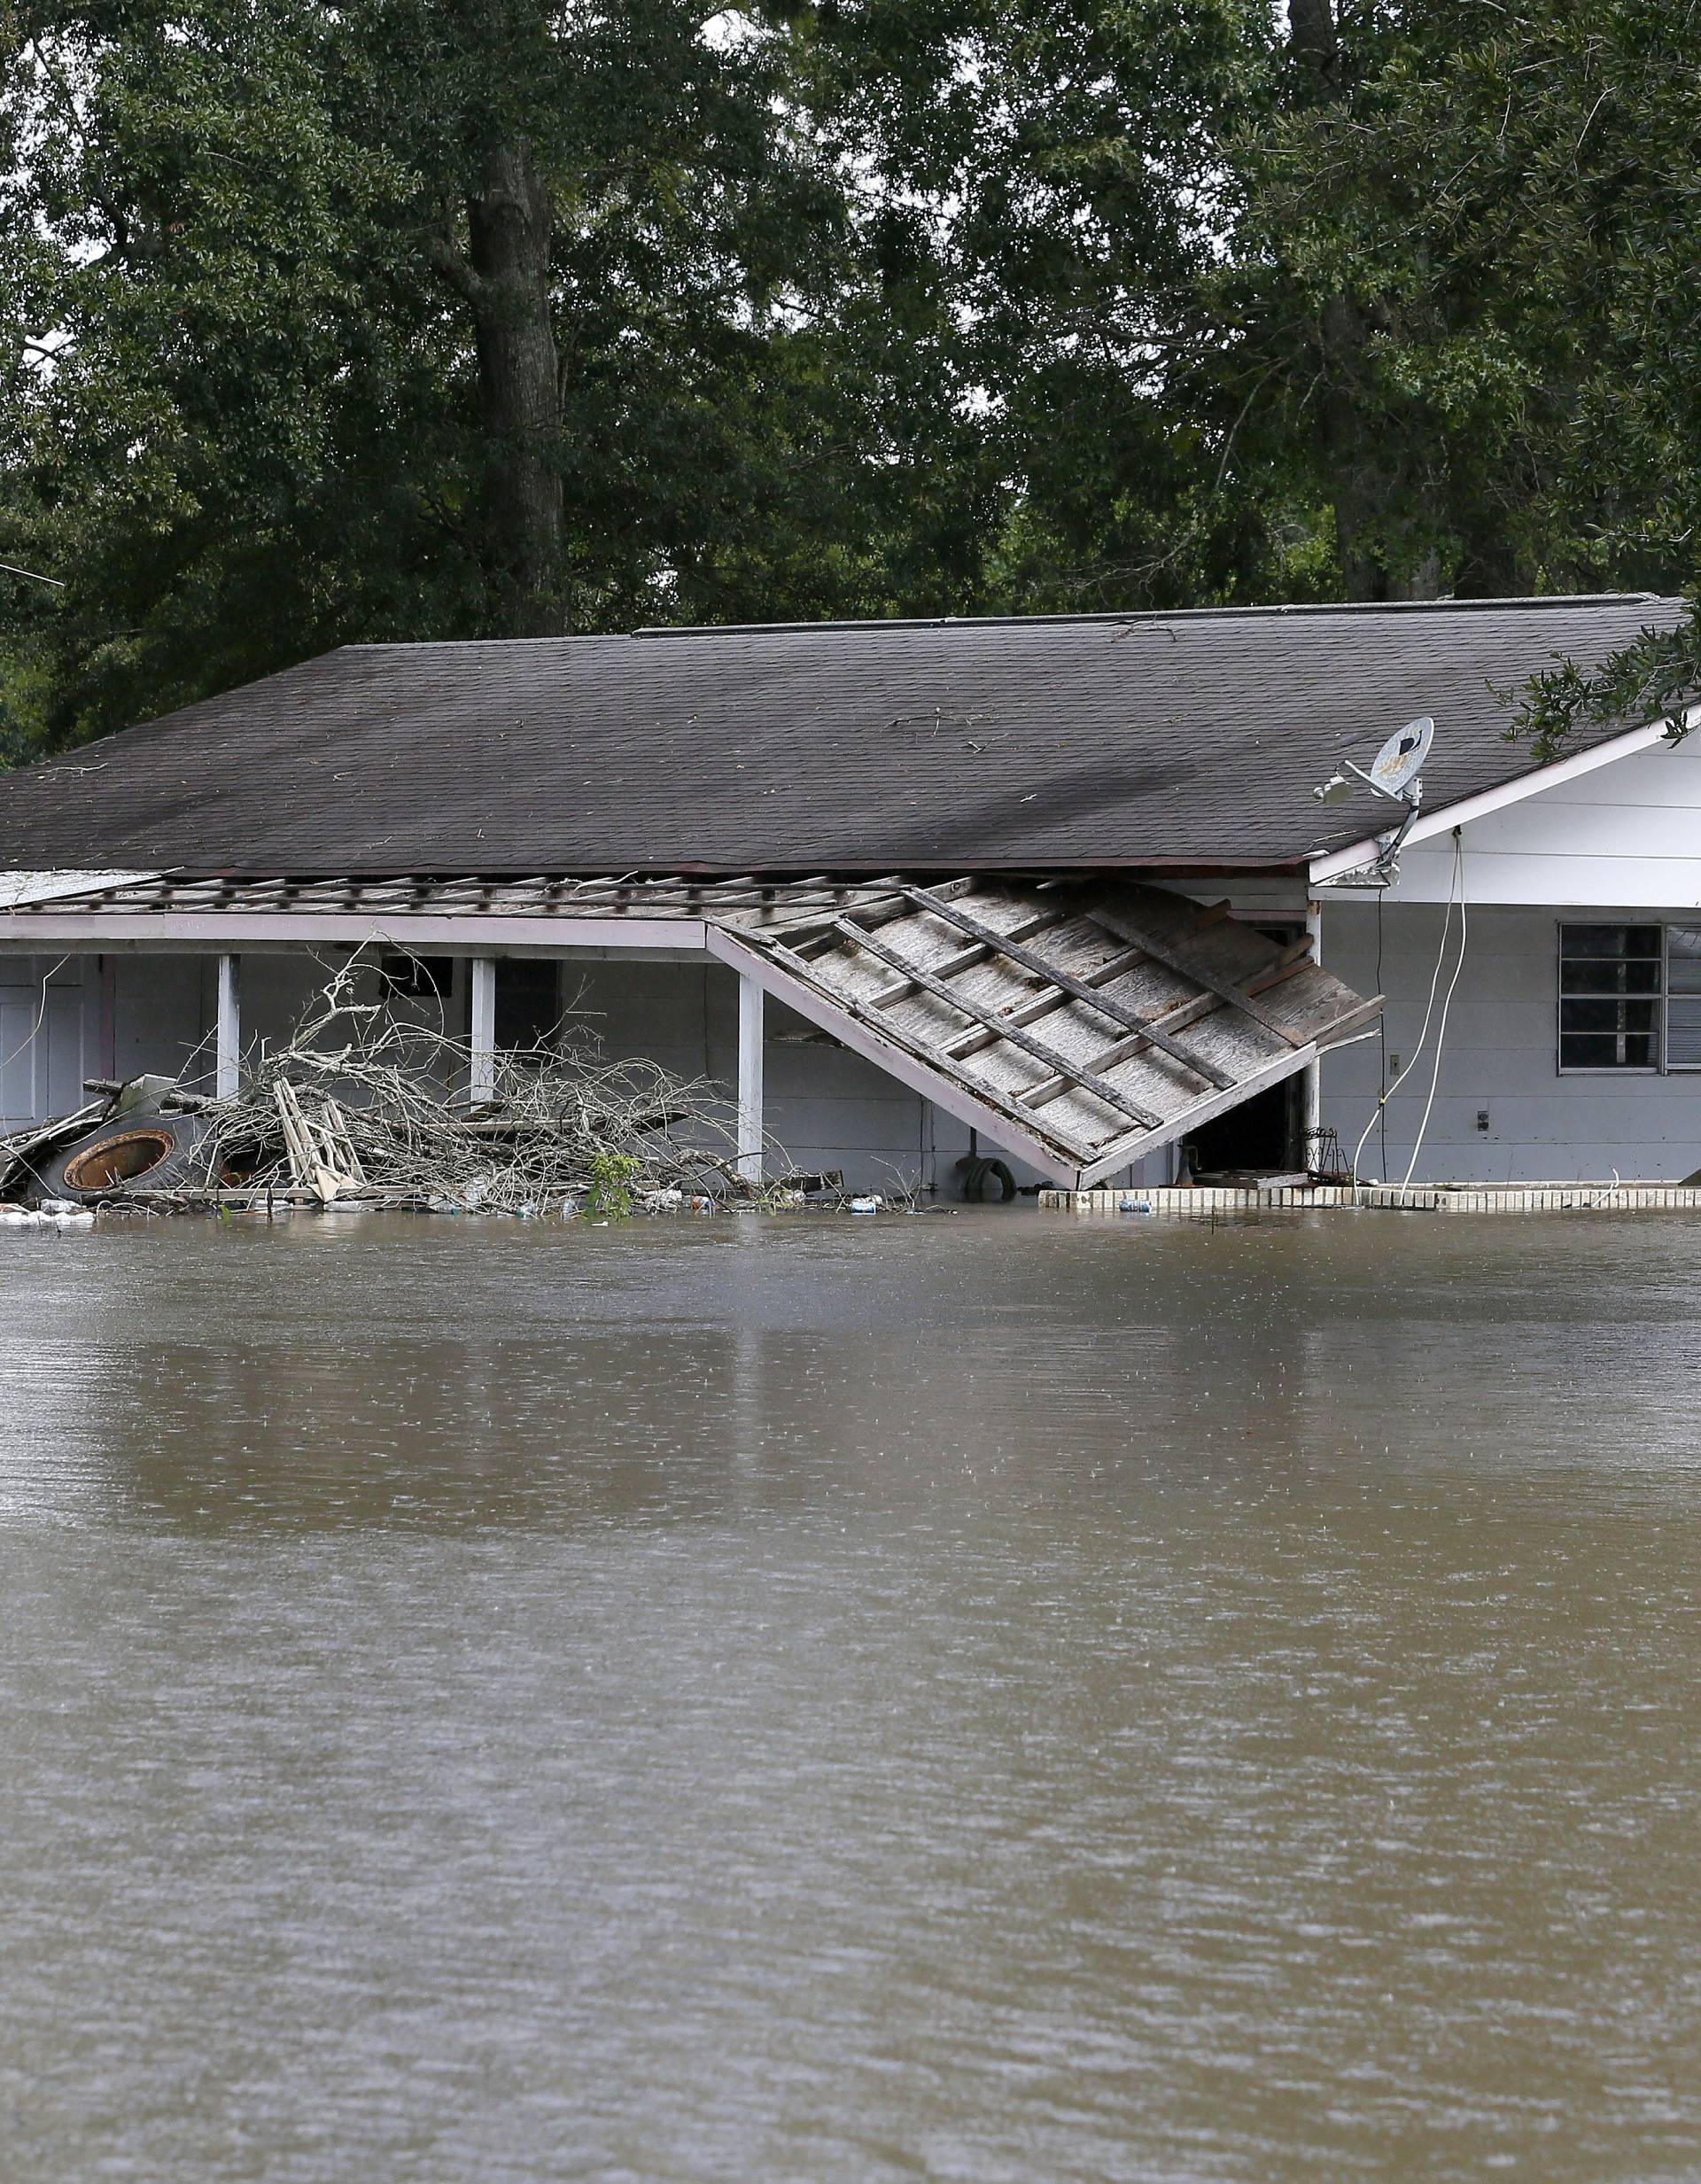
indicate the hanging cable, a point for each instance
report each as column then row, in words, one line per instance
column 1382, row 1048
column 1441, row 1028
column 1429, row 1010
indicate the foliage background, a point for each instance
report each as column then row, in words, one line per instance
column 439, row 318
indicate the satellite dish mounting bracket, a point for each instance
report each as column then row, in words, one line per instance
column 1394, row 776
column 1412, row 795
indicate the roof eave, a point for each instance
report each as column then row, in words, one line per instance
column 1329, row 865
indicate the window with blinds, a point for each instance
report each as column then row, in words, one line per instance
column 1611, row 985
column 1684, row 996
column 1630, row 996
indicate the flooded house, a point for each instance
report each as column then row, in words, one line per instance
column 1058, row 890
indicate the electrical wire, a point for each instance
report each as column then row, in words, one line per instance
column 1441, row 1028
column 1382, row 1049
column 1377, row 1112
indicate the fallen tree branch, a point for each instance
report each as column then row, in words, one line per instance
column 361, row 1103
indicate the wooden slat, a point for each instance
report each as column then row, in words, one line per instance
column 887, row 903
column 1177, row 960
column 1077, row 989
column 1125, row 1049
column 965, row 958
column 1036, row 1049
column 1048, row 1003
column 1294, row 960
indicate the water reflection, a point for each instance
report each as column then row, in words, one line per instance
column 979, row 1696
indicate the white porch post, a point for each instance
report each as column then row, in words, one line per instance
column 107, row 972
column 749, row 1080
column 482, row 1082
column 1311, row 1085
column 227, row 1048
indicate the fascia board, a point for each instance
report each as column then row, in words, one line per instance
column 222, row 931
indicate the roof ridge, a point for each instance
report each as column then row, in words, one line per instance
column 1295, row 610
column 1277, row 612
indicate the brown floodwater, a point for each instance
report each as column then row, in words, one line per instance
column 985, row 1697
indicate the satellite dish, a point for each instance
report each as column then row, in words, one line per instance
column 1394, row 773
column 1400, row 760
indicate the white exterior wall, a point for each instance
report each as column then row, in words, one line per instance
column 1500, row 1055
column 1620, row 843
column 1627, row 832
column 158, row 1016
column 825, row 1109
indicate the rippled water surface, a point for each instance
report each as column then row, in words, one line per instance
column 972, row 1697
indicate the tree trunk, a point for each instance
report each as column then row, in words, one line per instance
column 1311, row 34
column 1348, row 460
column 1373, row 499
column 510, row 228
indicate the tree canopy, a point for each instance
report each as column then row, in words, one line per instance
column 348, row 319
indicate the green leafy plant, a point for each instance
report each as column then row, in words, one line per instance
column 1659, row 674
column 609, row 1197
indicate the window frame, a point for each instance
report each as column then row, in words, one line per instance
column 1661, row 998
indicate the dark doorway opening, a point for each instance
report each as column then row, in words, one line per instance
column 1259, row 1135
column 1264, row 1135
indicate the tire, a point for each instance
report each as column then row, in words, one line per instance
column 142, row 1149
column 978, row 1171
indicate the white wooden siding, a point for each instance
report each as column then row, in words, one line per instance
column 1629, row 832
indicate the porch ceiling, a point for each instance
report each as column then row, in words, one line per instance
column 412, row 895
column 466, row 915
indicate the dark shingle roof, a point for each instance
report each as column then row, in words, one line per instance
column 1106, row 740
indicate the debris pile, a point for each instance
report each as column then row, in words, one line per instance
column 358, row 1108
